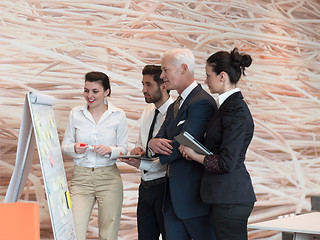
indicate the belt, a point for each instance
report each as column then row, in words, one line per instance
column 92, row 169
column 151, row 183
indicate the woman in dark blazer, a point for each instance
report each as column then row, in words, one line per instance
column 226, row 183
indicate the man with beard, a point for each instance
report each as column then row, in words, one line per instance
column 151, row 189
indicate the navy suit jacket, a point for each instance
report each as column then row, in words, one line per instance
column 228, row 136
column 185, row 176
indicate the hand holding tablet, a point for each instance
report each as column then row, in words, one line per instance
column 129, row 156
column 138, row 156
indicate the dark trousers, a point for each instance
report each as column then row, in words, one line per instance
column 198, row 228
column 230, row 220
column 149, row 211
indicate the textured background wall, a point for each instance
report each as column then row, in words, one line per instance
column 48, row 46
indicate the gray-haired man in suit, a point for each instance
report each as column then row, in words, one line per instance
column 186, row 216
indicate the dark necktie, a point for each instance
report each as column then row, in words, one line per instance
column 175, row 111
column 151, row 130
column 176, row 105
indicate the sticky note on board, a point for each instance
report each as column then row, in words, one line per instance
column 69, row 205
column 61, row 182
column 47, row 134
column 51, row 122
column 50, row 134
column 46, row 150
column 51, row 160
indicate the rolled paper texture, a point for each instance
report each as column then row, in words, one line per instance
column 43, row 99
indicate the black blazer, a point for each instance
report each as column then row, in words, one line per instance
column 185, row 176
column 228, row 136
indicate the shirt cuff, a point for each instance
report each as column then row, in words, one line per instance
column 68, row 149
column 145, row 165
column 151, row 153
column 211, row 163
column 115, row 152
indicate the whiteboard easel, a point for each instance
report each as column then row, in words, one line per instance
column 38, row 126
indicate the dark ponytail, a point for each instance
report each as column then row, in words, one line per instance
column 233, row 63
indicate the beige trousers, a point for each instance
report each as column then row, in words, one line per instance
column 103, row 185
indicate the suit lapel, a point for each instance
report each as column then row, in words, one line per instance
column 224, row 104
column 187, row 101
column 232, row 96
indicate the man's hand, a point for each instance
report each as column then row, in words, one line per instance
column 137, row 151
column 135, row 162
column 161, row 146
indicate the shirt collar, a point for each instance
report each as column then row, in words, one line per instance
column 227, row 94
column 188, row 90
column 111, row 108
column 163, row 108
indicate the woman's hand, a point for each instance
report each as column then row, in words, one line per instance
column 186, row 152
column 190, row 154
column 80, row 148
column 101, row 149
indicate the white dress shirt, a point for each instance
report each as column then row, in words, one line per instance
column 155, row 168
column 224, row 96
column 111, row 130
column 187, row 91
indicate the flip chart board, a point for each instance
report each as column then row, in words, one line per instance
column 38, row 127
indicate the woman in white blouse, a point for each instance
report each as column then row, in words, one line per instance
column 95, row 135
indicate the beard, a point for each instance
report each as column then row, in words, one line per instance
column 157, row 96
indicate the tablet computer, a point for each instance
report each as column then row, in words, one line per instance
column 188, row 140
column 139, row 156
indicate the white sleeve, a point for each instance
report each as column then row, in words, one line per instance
column 139, row 141
column 122, row 138
column 152, row 166
column 67, row 145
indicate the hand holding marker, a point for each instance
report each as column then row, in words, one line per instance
column 86, row 145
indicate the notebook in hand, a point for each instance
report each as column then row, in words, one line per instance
column 188, row 140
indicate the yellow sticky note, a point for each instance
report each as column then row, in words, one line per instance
column 51, row 122
column 69, row 205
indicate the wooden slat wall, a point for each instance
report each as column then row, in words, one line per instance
column 48, row 46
